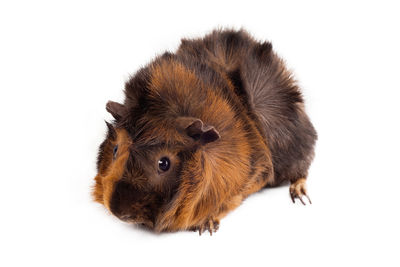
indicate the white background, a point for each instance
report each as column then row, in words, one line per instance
column 61, row 61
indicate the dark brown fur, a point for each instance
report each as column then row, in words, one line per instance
column 227, row 113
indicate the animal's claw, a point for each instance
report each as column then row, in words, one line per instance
column 298, row 190
column 210, row 225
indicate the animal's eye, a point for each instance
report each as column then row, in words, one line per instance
column 115, row 150
column 164, row 164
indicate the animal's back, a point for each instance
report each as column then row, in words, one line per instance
column 269, row 92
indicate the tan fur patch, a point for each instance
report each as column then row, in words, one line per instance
column 105, row 181
column 221, row 184
column 174, row 77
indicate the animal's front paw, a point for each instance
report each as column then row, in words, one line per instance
column 298, row 190
column 211, row 225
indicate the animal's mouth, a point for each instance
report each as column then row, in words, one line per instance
column 138, row 221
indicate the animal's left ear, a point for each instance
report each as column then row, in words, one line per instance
column 117, row 110
column 196, row 129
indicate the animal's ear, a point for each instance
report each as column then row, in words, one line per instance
column 117, row 110
column 196, row 129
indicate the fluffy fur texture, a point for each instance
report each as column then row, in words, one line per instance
column 229, row 117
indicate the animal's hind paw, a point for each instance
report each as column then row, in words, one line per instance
column 210, row 225
column 298, row 190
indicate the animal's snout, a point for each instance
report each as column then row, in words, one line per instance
column 121, row 200
column 130, row 204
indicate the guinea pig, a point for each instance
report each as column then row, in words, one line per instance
column 200, row 130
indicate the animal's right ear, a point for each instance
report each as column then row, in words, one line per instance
column 117, row 110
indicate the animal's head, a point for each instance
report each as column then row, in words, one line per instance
column 138, row 180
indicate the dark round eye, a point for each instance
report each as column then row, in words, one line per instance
column 164, row 164
column 115, row 150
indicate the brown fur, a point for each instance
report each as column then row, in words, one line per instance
column 112, row 172
column 228, row 115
